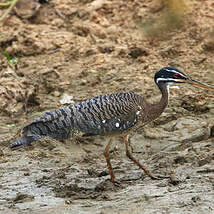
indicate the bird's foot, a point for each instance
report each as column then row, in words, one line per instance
column 108, row 185
column 116, row 183
column 158, row 177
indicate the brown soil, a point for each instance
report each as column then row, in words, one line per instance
column 68, row 51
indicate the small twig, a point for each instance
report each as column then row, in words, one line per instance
column 60, row 14
column 12, row 4
column 6, row 4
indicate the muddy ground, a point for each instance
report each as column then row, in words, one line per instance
column 68, row 51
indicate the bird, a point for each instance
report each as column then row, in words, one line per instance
column 110, row 115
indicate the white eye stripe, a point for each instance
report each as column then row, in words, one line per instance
column 166, row 79
column 176, row 72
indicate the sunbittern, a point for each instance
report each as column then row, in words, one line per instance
column 111, row 114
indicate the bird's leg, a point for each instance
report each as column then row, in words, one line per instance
column 106, row 154
column 129, row 155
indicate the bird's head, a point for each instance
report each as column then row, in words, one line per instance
column 168, row 76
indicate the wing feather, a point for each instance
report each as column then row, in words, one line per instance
column 109, row 114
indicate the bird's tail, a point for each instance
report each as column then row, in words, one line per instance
column 23, row 141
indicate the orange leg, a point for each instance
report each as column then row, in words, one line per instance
column 106, row 154
column 129, row 155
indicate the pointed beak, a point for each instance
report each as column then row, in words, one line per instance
column 199, row 84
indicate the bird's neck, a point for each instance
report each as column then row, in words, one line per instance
column 156, row 109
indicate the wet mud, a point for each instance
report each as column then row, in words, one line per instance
column 69, row 51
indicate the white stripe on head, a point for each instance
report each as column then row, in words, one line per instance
column 176, row 72
column 166, row 79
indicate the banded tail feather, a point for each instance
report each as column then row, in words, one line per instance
column 54, row 124
column 23, row 141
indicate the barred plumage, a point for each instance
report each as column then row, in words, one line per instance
column 101, row 115
column 105, row 115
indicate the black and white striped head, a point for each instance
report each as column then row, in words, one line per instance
column 168, row 75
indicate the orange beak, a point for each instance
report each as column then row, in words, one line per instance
column 199, row 84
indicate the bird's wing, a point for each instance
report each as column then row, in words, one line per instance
column 100, row 115
column 107, row 114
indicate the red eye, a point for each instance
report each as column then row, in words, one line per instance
column 177, row 75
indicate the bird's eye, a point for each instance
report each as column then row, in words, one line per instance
column 177, row 76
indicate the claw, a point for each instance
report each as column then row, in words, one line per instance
column 158, row 177
column 117, row 183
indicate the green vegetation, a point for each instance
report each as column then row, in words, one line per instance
column 12, row 61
